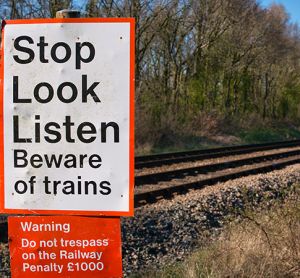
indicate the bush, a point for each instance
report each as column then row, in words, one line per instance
column 264, row 244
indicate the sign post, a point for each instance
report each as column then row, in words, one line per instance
column 67, row 14
column 67, row 143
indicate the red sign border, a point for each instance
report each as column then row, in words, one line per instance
column 130, row 212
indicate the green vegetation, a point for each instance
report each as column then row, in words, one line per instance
column 176, row 142
column 269, row 134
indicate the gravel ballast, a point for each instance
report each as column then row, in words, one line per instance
column 167, row 231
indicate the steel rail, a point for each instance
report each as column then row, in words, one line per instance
column 191, row 171
column 178, row 157
column 152, row 196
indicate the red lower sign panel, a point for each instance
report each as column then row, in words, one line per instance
column 64, row 246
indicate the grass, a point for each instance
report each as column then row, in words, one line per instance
column 260, row 135
column 173, row 143
column 264, row 244
column 169, row 141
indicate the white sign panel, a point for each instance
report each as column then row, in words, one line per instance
column 68, row 116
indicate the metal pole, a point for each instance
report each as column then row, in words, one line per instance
column 68, row 14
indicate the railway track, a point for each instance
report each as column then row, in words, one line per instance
column 206, row 174
column 152, row 187
column 158, row 160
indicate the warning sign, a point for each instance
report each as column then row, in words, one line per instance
column 53, row 246
column 67, row 127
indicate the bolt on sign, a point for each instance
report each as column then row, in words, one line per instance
column 67, row 116
column 57, row 246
